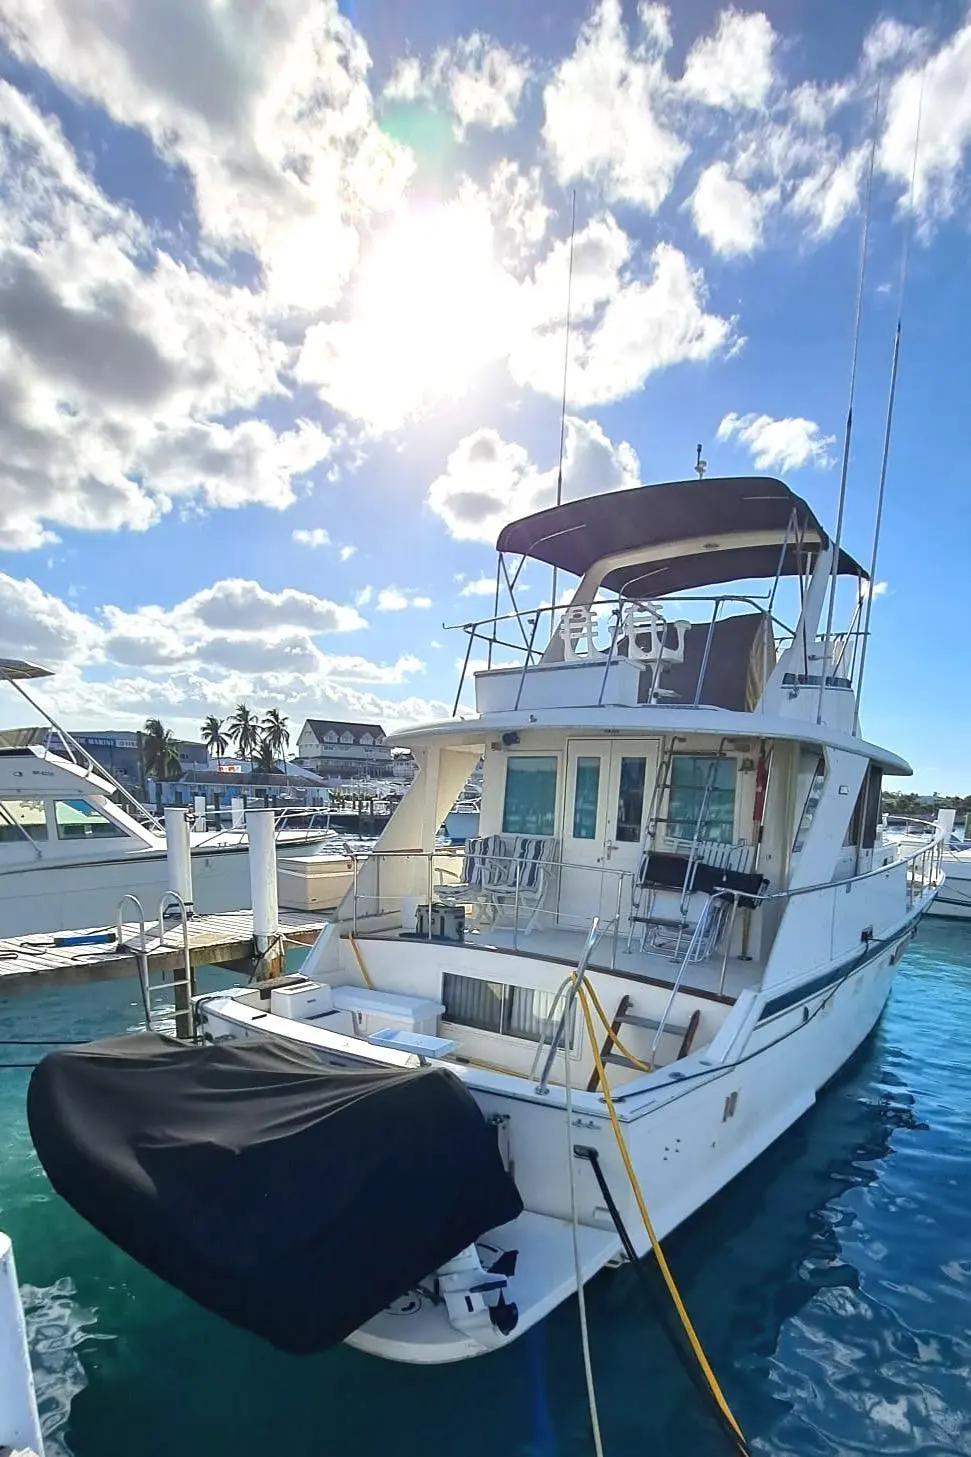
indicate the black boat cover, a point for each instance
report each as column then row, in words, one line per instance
column 295, row 1200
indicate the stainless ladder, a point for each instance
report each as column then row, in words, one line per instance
column 179, row 986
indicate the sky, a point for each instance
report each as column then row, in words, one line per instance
column 283, row 294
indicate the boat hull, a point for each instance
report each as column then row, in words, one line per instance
column 686, row 1145
column 83, row 893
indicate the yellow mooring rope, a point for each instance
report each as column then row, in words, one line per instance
column 644, row 1067
column 673, row 1291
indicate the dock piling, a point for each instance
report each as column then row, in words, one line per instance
column 261, row 831
column 177, row 854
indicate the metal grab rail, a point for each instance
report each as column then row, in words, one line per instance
column 574, row 982
column 513, row 888
column 183, row 991
column 140, row 952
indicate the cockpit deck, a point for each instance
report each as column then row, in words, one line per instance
column 718, row 977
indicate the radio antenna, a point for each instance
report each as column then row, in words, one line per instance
column 895, row 360
column 848, row 431
column 566, row 365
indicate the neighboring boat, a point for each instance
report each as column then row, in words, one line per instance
column 462, row 820
column 953, row 900
column 676, row 924
column 69, row 851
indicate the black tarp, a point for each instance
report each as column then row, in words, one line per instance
column 295, row 1200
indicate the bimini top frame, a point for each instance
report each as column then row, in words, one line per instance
column 678, row 536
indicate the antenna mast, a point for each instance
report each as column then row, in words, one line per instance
column 904, row 264
column 848, row 431
column 566, row 365
column 700, row 465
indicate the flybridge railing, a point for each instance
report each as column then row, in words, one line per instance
column 642, row 631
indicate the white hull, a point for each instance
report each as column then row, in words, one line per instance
column 86, row 893
column 684, row 1143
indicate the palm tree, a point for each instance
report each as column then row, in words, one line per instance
column 161, row 753
column 244, row 730
column 277, row 735
column 264, row 757
column 214, row 738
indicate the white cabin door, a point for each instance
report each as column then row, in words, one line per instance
column 608, row 793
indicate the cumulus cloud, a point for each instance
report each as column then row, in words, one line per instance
column 480, row 81
column 346, row 688
column 488, row 480
column 268, row 111
column 725, row 212
column 734, row 67
column 392, row 599
column 315, row 536
column 229, row 641
column 606, row 108
column 479, row 587
column 944, row 78
column 782, row 445
column 41, row 628
column 235, row 603
column 628, row 323
column 116, row 361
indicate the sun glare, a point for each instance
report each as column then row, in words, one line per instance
column 432, row 302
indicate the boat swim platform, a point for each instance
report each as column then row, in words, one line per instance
column 217, row 940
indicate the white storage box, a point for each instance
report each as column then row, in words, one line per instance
column 374, row 1010
column 302, row 1002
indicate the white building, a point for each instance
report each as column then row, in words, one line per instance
column 347, row 750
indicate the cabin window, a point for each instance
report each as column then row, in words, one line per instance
column 862, row 828
column 810, row 763
column 630, row 800
column 20, row 817
column 529, row 807
column 78, row 820
column 586, row 794
column 492, row 1006
column 701, row 803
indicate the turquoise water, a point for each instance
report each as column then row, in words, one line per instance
column 831, row 1286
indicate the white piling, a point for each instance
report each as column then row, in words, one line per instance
column 199, row 801
column 261, row 830
column 177, row 853
column 19, row 1422
column 238, row 807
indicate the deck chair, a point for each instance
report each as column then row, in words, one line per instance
column 528, row 877
column 486, row 865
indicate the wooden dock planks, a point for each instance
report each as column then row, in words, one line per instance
column 218, row 940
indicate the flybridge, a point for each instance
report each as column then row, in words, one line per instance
column 637, row 631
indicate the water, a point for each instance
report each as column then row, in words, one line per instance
column 830, row 1285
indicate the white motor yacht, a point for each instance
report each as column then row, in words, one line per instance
column 675, row 925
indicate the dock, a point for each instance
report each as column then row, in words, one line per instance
column 219, row 940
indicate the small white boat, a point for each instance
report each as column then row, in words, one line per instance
column 676, row 924
column 73, row 842
column 20, row 1431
